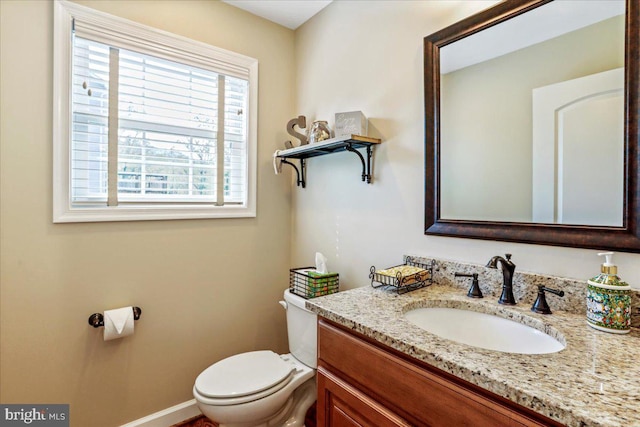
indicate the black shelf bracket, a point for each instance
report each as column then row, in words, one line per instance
column 300, row 174
column 366, row 165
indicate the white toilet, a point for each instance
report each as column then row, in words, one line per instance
column 262, row 388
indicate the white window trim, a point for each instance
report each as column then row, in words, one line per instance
column 63, row 211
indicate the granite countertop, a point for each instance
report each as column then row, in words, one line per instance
column 594, row 381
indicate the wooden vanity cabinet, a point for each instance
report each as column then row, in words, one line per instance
column 362, row 383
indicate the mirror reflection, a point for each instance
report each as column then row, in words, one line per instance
column 532, row 118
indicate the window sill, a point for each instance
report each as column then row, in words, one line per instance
column 150, row 213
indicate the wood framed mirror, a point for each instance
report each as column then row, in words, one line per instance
column 531, row 201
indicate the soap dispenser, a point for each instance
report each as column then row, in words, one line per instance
column 609, row 300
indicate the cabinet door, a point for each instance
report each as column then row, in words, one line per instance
column 341, row 405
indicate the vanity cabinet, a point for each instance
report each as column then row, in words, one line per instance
column 362, row 383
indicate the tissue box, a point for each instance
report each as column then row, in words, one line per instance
column 308, row 283
column 351, row 123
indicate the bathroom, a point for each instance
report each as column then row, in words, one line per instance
column 209, row 288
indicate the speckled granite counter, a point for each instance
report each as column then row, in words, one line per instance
column 594, row 381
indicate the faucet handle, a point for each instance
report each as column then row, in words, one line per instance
column 474, row 290
column 540, row 305
column 508, row 256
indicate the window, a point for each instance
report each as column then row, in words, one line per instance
column 149, row 125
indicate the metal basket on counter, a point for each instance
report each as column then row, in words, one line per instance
column 307, row 283
column 411, row 275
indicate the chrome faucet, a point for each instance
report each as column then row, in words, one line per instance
column 508, row 268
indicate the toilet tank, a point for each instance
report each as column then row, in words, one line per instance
column 302, row 330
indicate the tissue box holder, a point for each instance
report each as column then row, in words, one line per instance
column 308, row 283
column 413, row 274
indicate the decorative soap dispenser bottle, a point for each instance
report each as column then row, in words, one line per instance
column 609, row 300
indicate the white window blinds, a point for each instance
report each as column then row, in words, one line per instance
column 177, row 135
column 149, row 125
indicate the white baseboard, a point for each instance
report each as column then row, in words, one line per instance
column 168, row 417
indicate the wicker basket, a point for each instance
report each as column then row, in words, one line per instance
column 405, row 277
column 307, row 283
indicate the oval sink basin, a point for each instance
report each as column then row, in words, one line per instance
column 483, row 330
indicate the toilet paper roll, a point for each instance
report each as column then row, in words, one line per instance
column 118, row 323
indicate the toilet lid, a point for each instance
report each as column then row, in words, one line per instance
column 243, row 374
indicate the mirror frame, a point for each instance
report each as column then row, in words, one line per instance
column 625, row 238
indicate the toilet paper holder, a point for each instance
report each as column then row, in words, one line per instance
column 97, row 319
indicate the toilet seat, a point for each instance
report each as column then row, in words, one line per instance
column 244, row 377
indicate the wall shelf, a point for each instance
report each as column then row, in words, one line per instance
column 330, row 146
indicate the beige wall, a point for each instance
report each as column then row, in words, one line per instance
column 368, row 56
column 207, row 288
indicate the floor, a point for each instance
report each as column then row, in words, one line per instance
column 202, row 421
column 199, row 421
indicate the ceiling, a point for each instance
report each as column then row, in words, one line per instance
column 288, row 13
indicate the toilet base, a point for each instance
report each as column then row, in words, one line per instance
column 306, row 395
column 292, row 413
